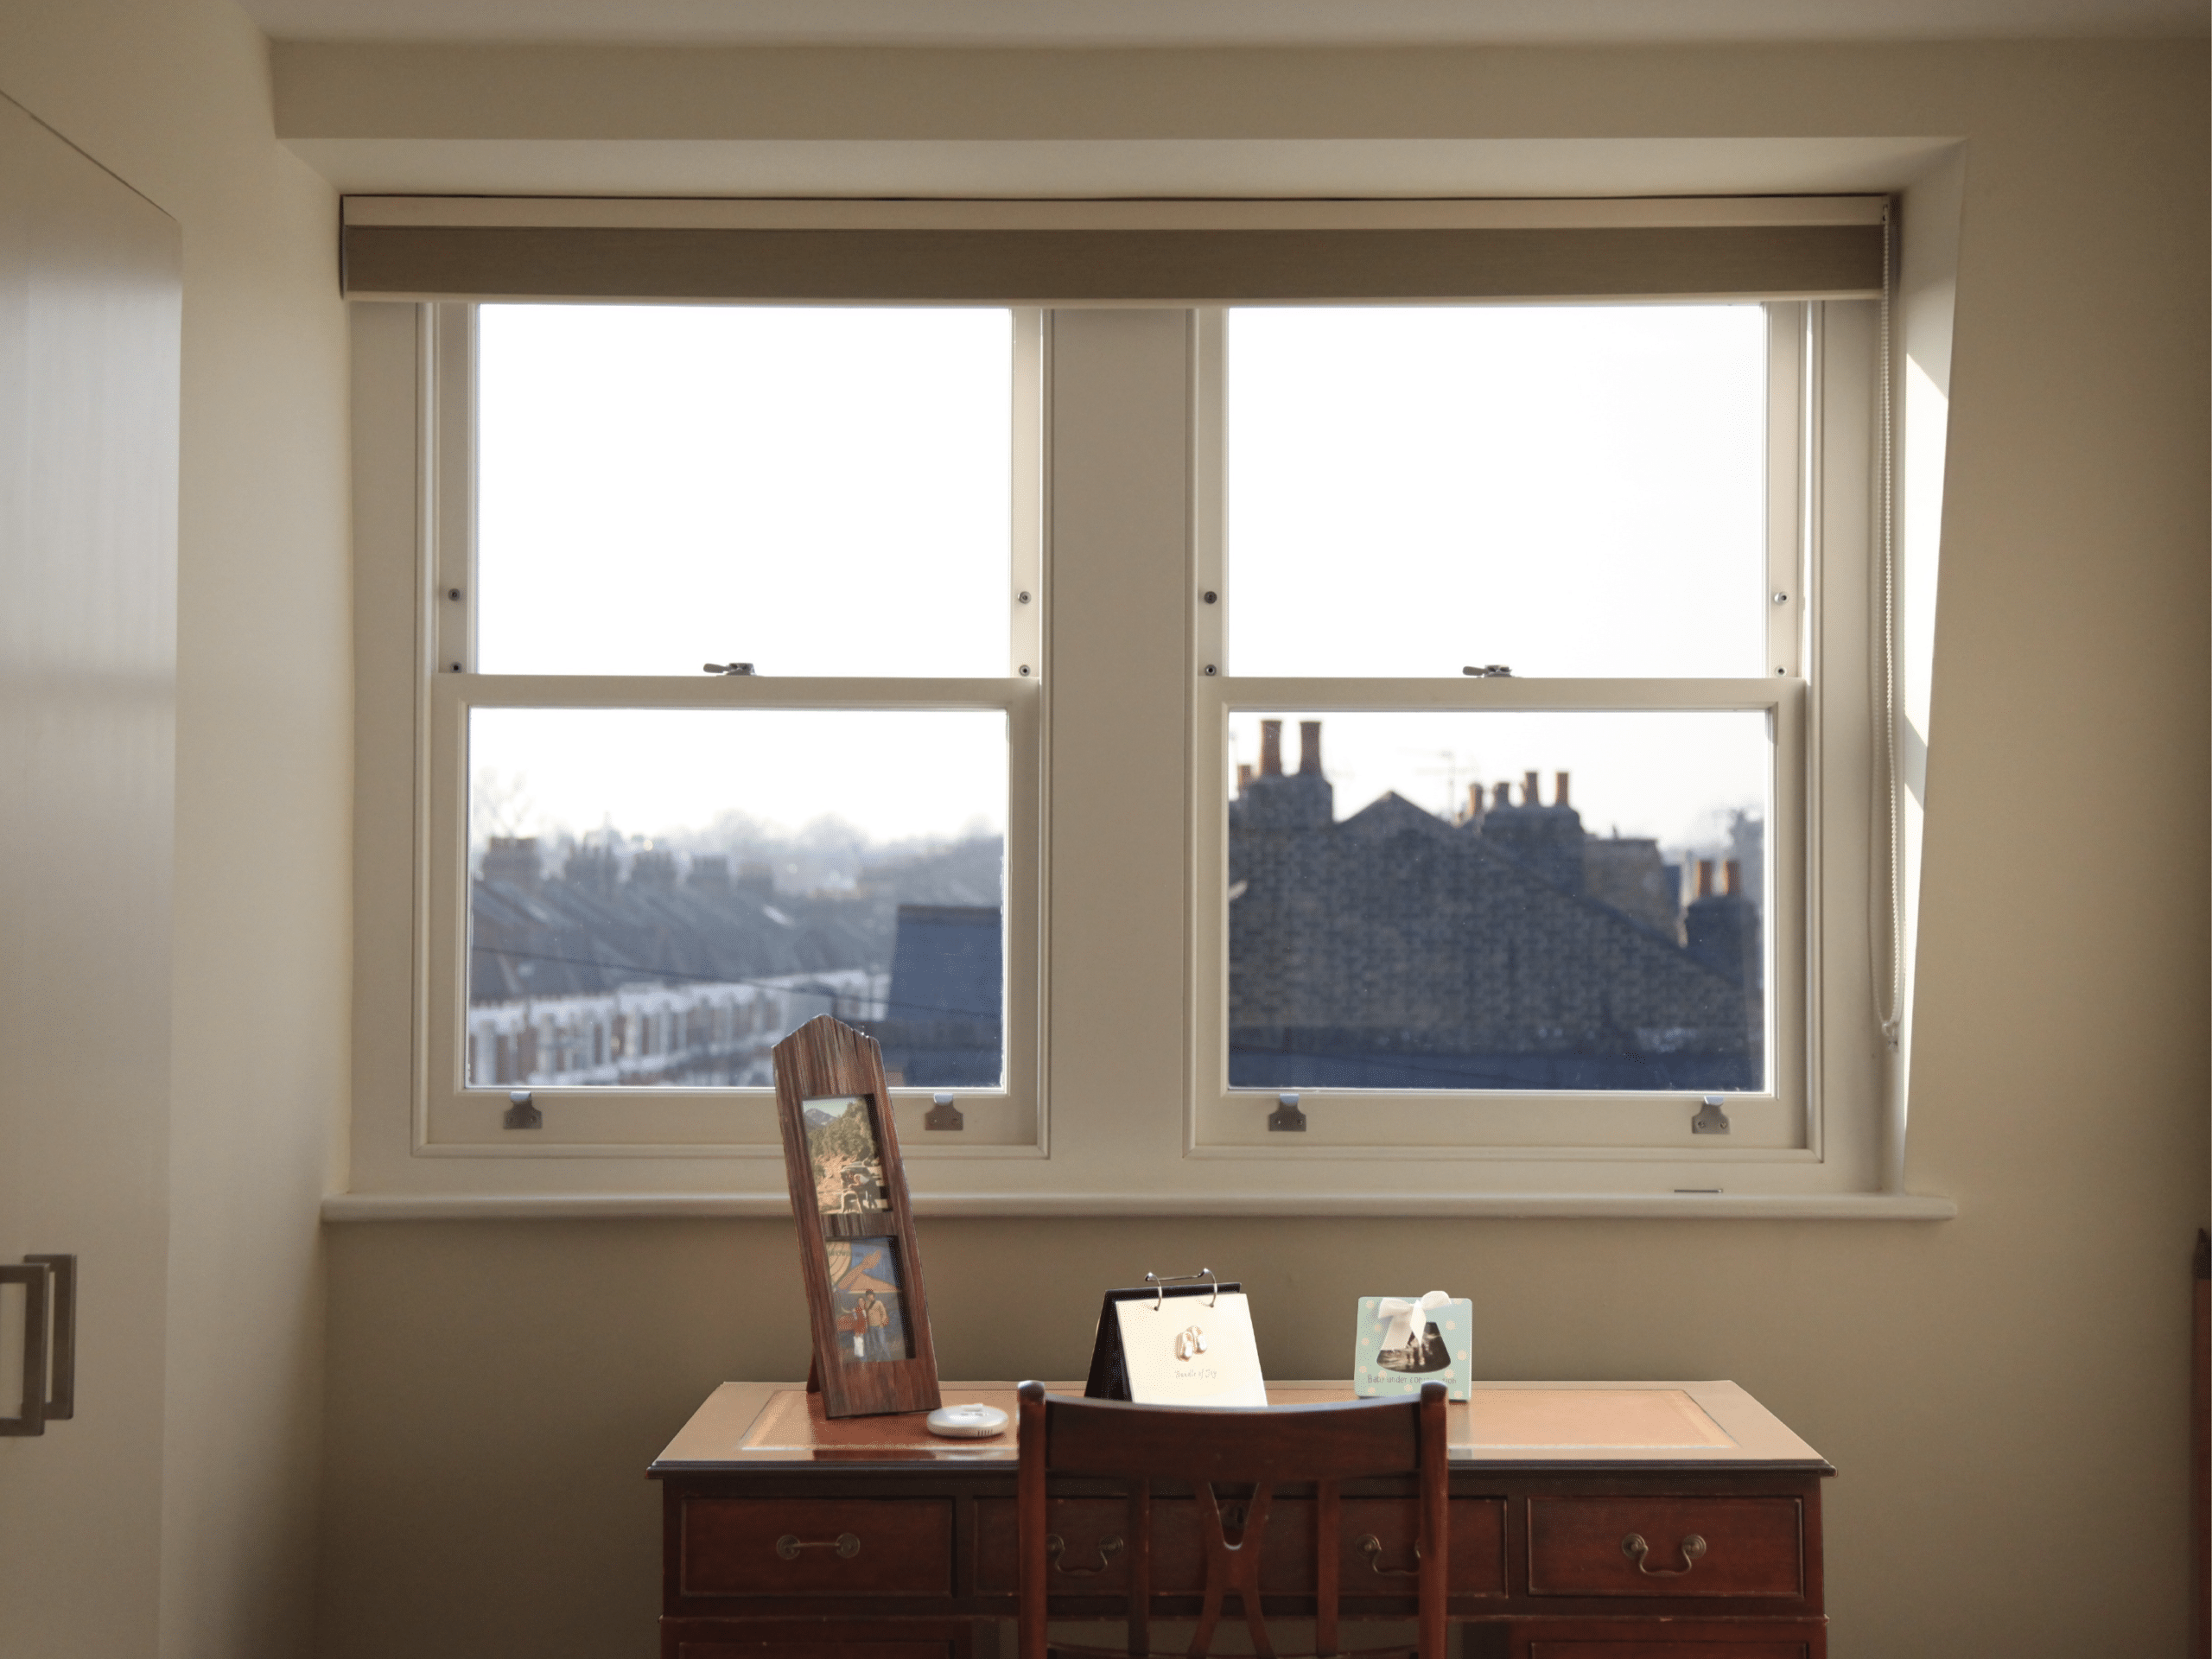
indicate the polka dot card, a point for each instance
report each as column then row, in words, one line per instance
column 1403, row 1341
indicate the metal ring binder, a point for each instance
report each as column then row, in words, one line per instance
column 1158, row 1283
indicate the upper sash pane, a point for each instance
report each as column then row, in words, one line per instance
column 1566, row 491
column 812, row 491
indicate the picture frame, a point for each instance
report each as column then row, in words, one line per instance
column 870, row 1314
column 1441, row 1348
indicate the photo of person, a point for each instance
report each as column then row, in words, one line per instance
column 1425, row 1354
column 870, row 1312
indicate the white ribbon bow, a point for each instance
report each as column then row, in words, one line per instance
column 1402, row 1311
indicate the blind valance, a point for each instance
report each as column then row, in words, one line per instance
column 1111, row 253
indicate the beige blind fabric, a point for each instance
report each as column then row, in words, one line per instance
column 1054, row 264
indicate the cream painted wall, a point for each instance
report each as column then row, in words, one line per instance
column 174, row 97
column 2003, row 1395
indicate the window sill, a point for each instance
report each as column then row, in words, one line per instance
column 649, row 1206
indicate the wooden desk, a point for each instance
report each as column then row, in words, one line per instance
column 788, row 1536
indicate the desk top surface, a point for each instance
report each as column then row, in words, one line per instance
column 756, row 1425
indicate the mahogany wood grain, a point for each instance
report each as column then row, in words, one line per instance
column 818, row 1638
column 827, row 1058
column 1754, row 1546
column 1232, row 1463
column 1328, row 1563
column 1292, row 1564
column 765, row 1444
column 1663, row 1650
column 1689, row 1636
column 729, row 1546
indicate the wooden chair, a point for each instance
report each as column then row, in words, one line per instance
column 1318, row 1446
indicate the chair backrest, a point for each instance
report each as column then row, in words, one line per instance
column 1320, row 1445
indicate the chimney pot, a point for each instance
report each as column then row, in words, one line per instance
column 1271, row 748
column 1475, row 802
column 1309, row 747
column 1243, row 776
column 1704, row 878
column 1731, row 881
column 1558, row 789
column 1503, row 797
column 1530, row 795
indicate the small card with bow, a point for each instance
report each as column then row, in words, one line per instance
column 1404, row 1341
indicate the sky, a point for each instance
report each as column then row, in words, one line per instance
column 1566, row 490
column 820, row 491
column 908, row 774
column 1636, row 773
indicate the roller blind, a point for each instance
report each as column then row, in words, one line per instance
column 1119, row 253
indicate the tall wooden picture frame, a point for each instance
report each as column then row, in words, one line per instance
column 871, row 1350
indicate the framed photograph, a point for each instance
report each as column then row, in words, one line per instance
column 1400, row 1343
column 872, row 1352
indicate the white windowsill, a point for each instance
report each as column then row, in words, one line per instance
column 629, row 1206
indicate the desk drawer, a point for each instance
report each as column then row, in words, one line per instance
column 1095, row 1559
column 1692, row 1547
column 817, row 1547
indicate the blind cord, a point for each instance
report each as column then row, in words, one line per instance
column 1889, row 1001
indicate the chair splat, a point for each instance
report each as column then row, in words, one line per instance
column 1233, row 1568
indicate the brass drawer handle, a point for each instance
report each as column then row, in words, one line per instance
column 1056, row 1545
column 1636, row 1549
column 1371, row 1546
column 847, row 1545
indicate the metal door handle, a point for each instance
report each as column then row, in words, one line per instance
column 847, row 1545
column 1056, row 1547
column 62, row 1390
column 1371, row 1546
column 48, row 1281
column 1636, row 1549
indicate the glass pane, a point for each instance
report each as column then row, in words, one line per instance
column 1496, row 900
column 810, row 491
column 657, row 897
column 1564, row 490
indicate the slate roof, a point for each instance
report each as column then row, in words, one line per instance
column 1398, row 949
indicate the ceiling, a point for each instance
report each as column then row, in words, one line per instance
column 1288, row 23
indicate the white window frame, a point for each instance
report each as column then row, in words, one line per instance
column 1819, row 403
column 1111, row 1106
column 453, row 1119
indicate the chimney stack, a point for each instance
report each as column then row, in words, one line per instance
column 1503, row 799
column 1474, row 803
column 1271, row 748
column 1731, row 879
column 1243, row 776
column 1704, row 878
column 1309, row 747
column 1558, row 789
column 1530, row 795
column 512, row 859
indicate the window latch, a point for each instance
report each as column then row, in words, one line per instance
column 522, row 1112
column 1488, row 671
column 1287, row 1116
column 1710, row 1120
column 943, row 1113
column 727, row 668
